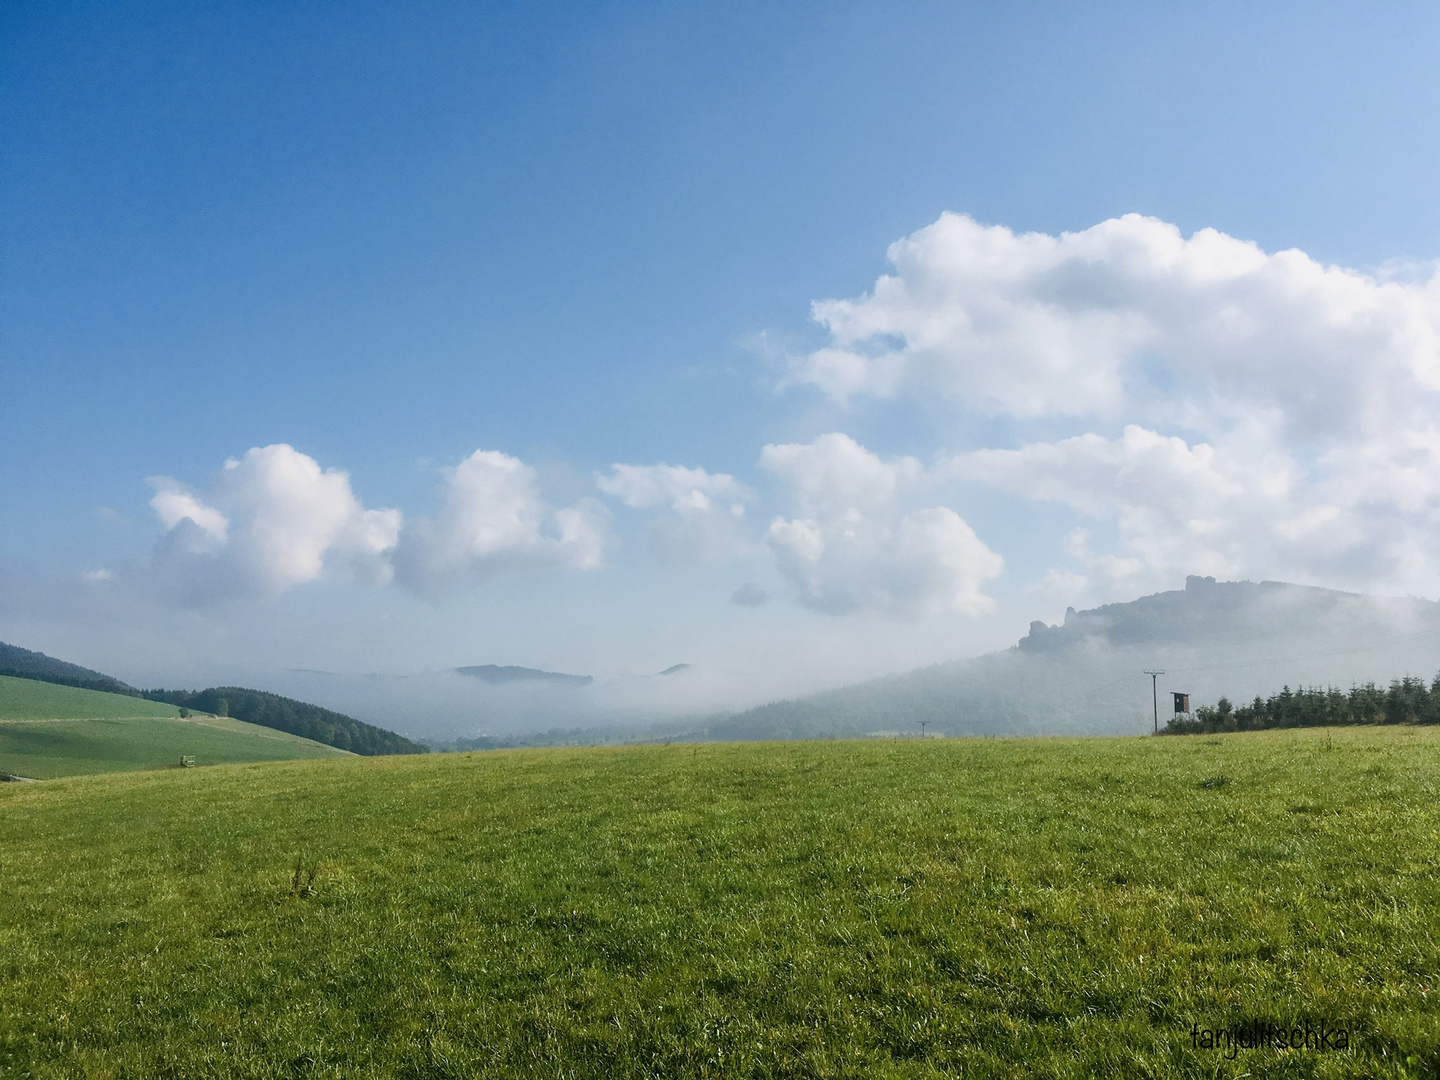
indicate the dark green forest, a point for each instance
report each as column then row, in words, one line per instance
column 27, row 664
column 287, row 714
column 1405, row 701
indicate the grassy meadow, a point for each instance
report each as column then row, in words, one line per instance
column 48, row 731
column 884, row 908
column 29, row 699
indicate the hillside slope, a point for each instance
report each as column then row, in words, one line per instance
column 49, row 730
column 31, row 699
column 1087, row 674
column 296, row 717
column 253, row 706
column 28, row 664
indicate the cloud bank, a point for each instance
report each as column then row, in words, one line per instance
column 1197, row 404
column 274, row 519
column 1120, row 317
column 1229, row 411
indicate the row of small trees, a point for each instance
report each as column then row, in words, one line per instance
column 286, row 714
column 1404, row 701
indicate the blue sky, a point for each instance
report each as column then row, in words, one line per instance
column 580, row 236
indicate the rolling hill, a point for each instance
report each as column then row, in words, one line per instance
column 49, row 730
column 295, row 717
column 252, row 706
column 1086, row 675
column 31, row 699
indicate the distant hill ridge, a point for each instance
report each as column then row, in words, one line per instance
column 1206, row 610
column 1085, row 675
column 501, row 674
column 252, row 706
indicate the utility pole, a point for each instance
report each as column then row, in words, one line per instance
column 1155, row 695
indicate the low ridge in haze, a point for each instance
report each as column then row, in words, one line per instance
column 501, row 674
column 1086, row 675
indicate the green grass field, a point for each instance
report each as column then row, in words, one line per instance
column 48, row 731
column 910, row 909
column 27, row 699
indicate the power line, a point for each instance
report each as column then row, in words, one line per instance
column 1155, row 694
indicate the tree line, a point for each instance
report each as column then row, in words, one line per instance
column 286, row 714
column 1405, row 701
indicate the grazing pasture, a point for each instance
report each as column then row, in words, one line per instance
column 878, row 908
column 28, row 699
column 48, row 731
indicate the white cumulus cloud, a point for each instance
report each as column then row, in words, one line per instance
column 1128, row 314
column 708, row 509
column 272, row 519
column 1178, row 507
column 835, row 476
column 173, row 504
column 854, row 546
column 1218, row 408
column 494, row 519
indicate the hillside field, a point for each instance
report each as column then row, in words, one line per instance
column 876, row 908
column 28, row 699
column 48, row 731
